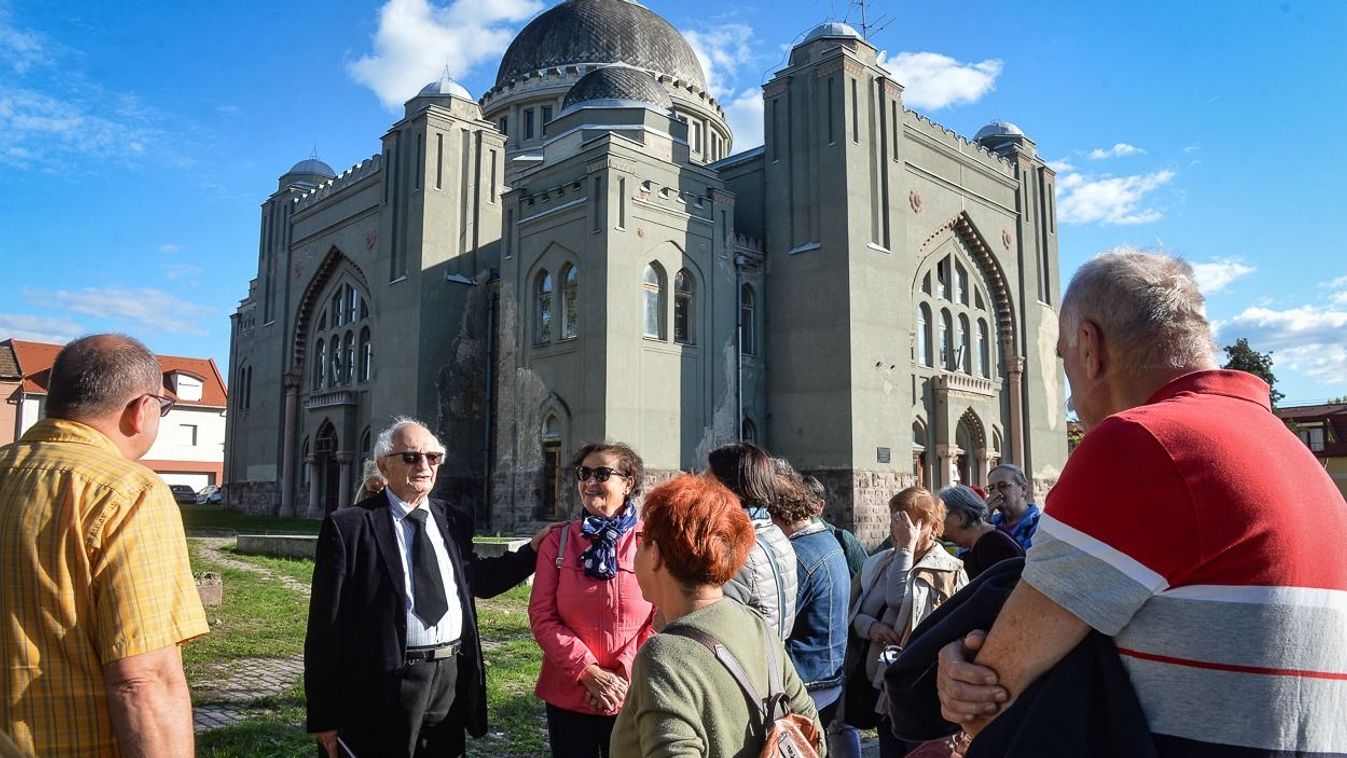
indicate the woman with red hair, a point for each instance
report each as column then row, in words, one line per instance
column 682, row 699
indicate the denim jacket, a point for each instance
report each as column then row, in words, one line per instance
column 818, row 640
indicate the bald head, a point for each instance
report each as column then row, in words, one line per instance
column 98, row 375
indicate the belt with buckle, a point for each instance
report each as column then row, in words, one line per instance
column 438, row 652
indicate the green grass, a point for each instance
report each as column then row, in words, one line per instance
column 259, row 618
column 512, row 663
column 276, row 732
column 262, row 619
column 299, row 569
column 213, row 520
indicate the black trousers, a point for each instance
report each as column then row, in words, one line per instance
column 415, row 725
column 578, row 735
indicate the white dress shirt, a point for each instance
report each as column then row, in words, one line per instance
column 450, row 627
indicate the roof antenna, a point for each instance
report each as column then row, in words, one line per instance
column 314, row 155
column 868, row 28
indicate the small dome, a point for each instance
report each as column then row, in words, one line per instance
column 617, row 85
column 598, row 32
column 312, row 166
column 998, row 128
column 445, row 86
column 831, row 29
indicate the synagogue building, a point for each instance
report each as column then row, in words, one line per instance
column 579, row 254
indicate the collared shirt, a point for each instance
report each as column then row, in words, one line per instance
column 1201, row 535
column 450, row 626
column 93, row 569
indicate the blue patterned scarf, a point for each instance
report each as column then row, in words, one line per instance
column 600, row 558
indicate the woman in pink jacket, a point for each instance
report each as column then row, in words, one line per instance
column 586, row 610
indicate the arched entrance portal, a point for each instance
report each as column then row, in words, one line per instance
column 971, row 462
column 329, row 470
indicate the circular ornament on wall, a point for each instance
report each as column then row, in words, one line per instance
column 914, row 199
column 1006, row 238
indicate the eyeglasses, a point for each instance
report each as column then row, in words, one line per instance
column 600, row 474
column 413, row 458
column 165, row 402
column 1000, row 486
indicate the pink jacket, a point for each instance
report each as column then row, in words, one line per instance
column 578, row 620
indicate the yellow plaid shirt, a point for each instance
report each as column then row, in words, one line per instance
column 93, row 569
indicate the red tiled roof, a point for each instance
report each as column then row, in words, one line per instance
column 35, row 359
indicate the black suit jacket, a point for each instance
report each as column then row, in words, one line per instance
column 355, row 649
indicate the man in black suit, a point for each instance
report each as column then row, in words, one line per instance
column 392, row 660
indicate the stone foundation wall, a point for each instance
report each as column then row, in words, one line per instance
column 253, row 498
column 859, row 500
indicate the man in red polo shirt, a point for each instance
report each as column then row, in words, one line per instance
column 1190, row 525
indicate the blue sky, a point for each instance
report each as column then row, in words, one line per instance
column 137, row 140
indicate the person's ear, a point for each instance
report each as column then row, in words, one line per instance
column 1090, row 342
column 135, row 419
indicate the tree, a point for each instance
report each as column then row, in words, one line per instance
column 1241, row 357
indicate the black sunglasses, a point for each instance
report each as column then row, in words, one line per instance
column 600, row 474
column 411, row 458
column 165, row 402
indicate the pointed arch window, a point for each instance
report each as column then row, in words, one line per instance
column 963, row 355
column 749, row 431
column 983, row 356
column 348, row 359
column 748, row 327
column 946, row 340
column 334, row 375
column 337, row 308
column 366, row 355
column 652, row 301
column 542, row 317
column 924, row 334
column 570, row 292
column 319, row 365
column 685, row 303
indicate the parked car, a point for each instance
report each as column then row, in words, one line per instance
column 209, row 494
column 183, row 493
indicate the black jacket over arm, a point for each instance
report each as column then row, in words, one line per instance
column 355, row 648
column 1083, row 705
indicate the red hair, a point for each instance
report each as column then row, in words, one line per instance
column 703, row 534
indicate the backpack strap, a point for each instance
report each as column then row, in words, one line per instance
column 726, row 658
column 561, row 549
column 775, row 705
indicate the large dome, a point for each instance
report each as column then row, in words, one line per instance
column 600, row 31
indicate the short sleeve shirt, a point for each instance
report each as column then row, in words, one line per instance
column 1201, row 535
column 93, row 569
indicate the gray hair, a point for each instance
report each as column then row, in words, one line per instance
column 1146, row 303
column 816, row 490
column 966, row 502
column 99, row 374
column 383, row 444
column 1015, row 472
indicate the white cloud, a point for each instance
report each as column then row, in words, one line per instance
column 932, row 81
column 1337, row 290
column 1085, row 199
column 417, row 39
column 21, row 49
column 1119, row 150
column 25, row 326
column 721, row 51
column 169, row 247
column 1216, row 275
column 1062, row 166
column 42, row 131
column 1308, row 339
column 744, row 115
column 147, row 308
